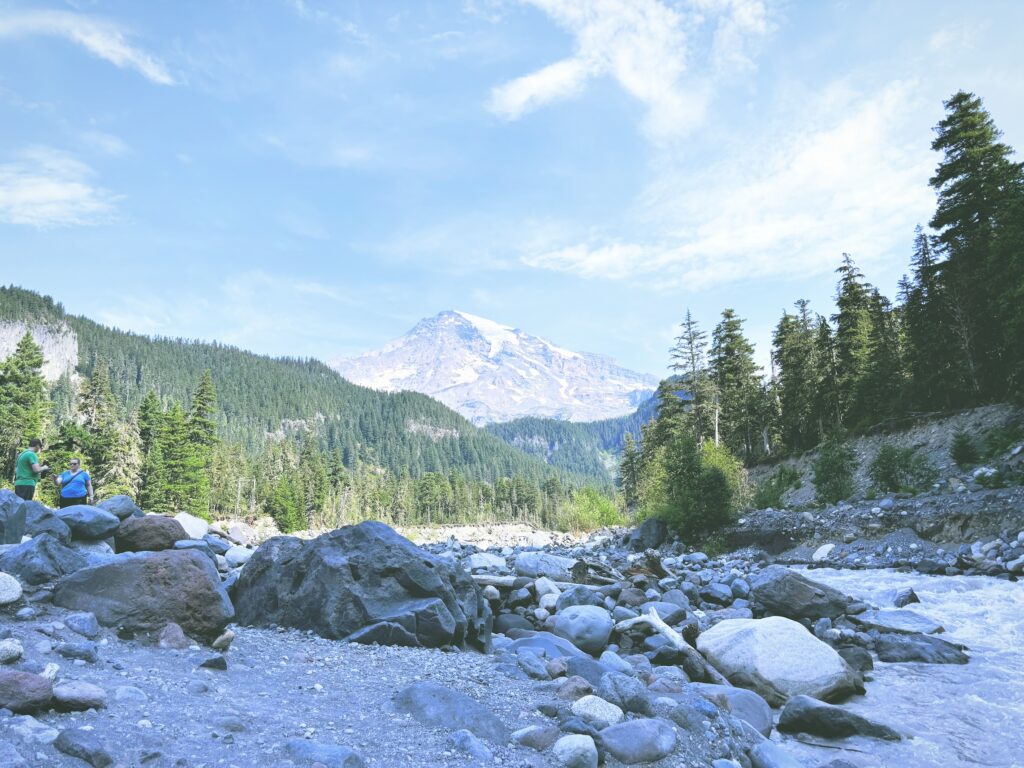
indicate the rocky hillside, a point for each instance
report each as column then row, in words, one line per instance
column 58, row 340
column 490, row 372
column 930, row 438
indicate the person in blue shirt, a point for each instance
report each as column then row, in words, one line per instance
column 75, row 486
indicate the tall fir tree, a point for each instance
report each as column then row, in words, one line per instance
column 795, row 358
column 852, row 339
column 23, row 400
column 736, row 380
column 689, row 360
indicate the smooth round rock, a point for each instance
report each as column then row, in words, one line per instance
column 10, row 650
column 575, row 751
column 639, row 741
column 10, row 589
column 597, row 711
column 588, row 627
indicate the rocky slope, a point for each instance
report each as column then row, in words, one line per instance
column 58, row 340
column 491, row 372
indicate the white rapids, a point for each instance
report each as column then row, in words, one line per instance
column 956, row 715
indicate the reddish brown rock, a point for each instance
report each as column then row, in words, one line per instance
column 152, row 533
column 24, row 691
column 148, row 590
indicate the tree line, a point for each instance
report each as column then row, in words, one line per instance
column 953, row 338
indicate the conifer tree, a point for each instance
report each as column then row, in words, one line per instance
column 23, row 400
column 735, row 377
column 795, row 359
column 852, row 338
column 629, row 472
column 689, row 358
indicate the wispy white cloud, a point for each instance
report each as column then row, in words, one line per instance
column 101, row 38
column 106, row 143
column 647, row 47
column 44, row 187
column 848, row 179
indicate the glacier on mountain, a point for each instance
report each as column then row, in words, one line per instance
column 492, row 372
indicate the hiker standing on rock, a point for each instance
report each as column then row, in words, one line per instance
column 27, row 470
column 75, row 485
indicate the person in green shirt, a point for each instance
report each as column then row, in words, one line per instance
column 27, row 470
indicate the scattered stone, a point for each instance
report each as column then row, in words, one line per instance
column 535, row 564
column 194, row 527
column 238, row 556
column 538, row 737
column 739, row 702
column 217, row 662
column 802, row 714
column 173, row 637
column 85, row 745
column 646, row 740
column 328, row 755
column 131, row 694
column 84, row 623
column 465, row 741
column 440, row 707
column 768, row 754
column 485, row 561
column 10, row 757
column 223, row 641
column 84, row 650
column 899, row 621
column 10, row 650
column 31, row 731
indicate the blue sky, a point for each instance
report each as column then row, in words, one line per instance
column 311, row 178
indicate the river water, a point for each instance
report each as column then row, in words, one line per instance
column 956, row 715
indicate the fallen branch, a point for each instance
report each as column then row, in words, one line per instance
column 508, row 582
column 654, row 621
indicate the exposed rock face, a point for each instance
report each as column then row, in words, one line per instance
column 778, row 658
column 147, row 590
column 151, row 533
column 782, row 592
column 363, row 583
column 58, row 341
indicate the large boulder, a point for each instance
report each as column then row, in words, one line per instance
column 151, row 533
column 24, row 691
column 363, row 583
column 588, row 627
column 802, row 714
column 12, row 517
column 194, row 527
column 748, row 706
column 645, row 740
column 122, row 506
column 926, row 649
column 782, row 592
column 778, row 658
column 650, row 534
column 145, row 591
column 41, row 560
column 898, row 620
column 89, row 523
column 434, row 705
column 40, row 519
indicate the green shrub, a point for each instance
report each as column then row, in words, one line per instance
column 900, row 470
column 833, row 470
column 770, row 491
column 993, row 479
column 587, row 510
column 695, row 489
column 1000, row 439
column 963, row 450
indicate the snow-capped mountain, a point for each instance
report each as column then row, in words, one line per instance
column 492, row 372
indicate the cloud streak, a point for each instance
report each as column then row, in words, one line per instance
column 47, row 188
column 784, row 207
column 645, row 46
column 100, row 38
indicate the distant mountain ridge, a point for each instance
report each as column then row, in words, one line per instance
column 491, row 372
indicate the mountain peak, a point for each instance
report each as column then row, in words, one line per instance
column 489, row 372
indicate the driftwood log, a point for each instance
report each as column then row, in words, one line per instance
column 653, row 620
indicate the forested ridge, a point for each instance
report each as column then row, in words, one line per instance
column 284, row 436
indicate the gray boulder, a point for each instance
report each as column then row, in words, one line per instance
column 768, row 754
column 12, row 517
column 24, row 691
column 575, row 751
column 650, row 534
column 85, row 745
column 122, row 506
column 547, row 644
column 41, row 560
column 802, row 714
column 748, row 706
column 645, row 740
column 363, row 583
column 923, row 648
column 434, row 705
column 88, row 523
column 898, row 620
column 578, row 595
column 625, row 692
column 144, row 591
column 40, row 519
column 588, row 627
column 782, row 592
